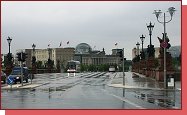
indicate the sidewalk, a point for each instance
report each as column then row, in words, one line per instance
column 177, row 83
column 117, row 82
column 19, row 86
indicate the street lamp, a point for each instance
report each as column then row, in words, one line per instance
column 33, row 56
column 150, row 29
column 150, row 49
column 9, row 41
column 142, row 53
column 9, row 58
column 33, row 47
column 157, row 13
column 138, row 44
column 49, row 51
column 33, row 62
column 138, row 56
column 49, row 60
column 142, row 39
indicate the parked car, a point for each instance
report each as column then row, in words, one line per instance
column 3, row 77
column 16, row 74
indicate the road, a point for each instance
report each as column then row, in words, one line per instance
column 91, row 91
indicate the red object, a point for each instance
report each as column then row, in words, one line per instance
column 164, row 44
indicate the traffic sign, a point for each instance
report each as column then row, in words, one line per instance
column 171, row 83
column 10, row 80
column 164, row 44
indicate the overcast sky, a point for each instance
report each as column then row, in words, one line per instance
column 100, row 24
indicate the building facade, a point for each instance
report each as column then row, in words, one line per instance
column 87, row 56
column 62, row 54
column 82, row 53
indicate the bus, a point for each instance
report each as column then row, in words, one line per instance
column 73, row 66
column 112, row 69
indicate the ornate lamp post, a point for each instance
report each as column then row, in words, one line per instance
column 138, row 56
column 150, row 48
column 49, row 61
column 33, row 59
column 33, row 47
column 158, row 13
column 142, row 52
column 9, row 42
column 150, row 28
column 49, row 52
column 9, row 58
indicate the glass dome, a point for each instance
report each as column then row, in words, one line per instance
column 83, row 48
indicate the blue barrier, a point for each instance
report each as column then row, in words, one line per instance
column 10, row 80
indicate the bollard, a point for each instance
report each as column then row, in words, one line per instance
column 31, row 77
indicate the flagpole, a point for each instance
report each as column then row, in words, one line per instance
column 68, row 43
column 60, row 44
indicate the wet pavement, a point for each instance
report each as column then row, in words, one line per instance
column 92, row 91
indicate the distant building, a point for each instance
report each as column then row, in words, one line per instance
column 83, row 48
column 82, row 53
column 115, row 51
column 62, row 54
column 87, row 56
column 134, row 52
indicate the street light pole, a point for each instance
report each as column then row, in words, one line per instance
column 142, row 55
column 49, row 51
column 138, row 56
column 142, row 39
column 150, row 29
column 9, row 58
column 33, row 62
column 123, row 73
column 33, row 46
column 49, row 60
column 9, row 41
column 171, row 11
column 165, row 84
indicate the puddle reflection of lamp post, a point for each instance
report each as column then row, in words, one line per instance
column 158, row 13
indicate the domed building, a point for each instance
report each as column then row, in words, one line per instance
column 83, row 48
column 86, row 56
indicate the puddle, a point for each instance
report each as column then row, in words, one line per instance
column 162, row 99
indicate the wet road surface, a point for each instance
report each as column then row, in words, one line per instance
column 90, row 91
